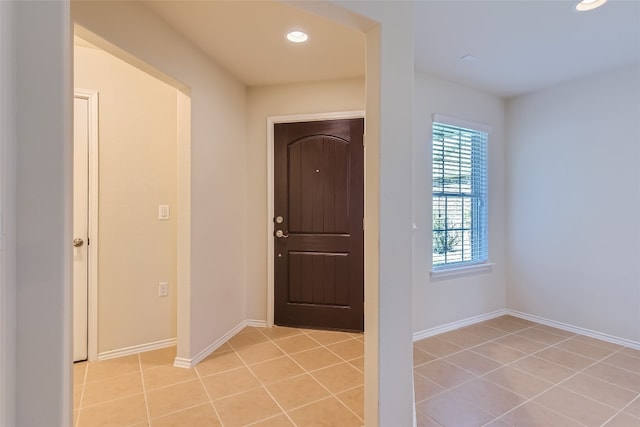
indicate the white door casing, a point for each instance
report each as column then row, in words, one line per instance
column 80, row 227
column 271, row 121
column 85, row 225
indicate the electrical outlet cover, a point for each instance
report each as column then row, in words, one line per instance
column 163, row 289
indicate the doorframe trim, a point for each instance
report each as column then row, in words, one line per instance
column 271, row 121
column 92, row 212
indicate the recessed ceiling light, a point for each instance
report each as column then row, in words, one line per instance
column 585, row 5
column 297, row 36
column 468, row 58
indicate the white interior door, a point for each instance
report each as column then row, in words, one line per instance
column 80, row 228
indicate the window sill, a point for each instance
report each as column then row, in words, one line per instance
column 451, row 272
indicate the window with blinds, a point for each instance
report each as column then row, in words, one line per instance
column 459, row 196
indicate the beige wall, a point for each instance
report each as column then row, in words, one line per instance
column 445, row 300
column 211, row 303
column 574, row 203
column 281, row 100
column 137, row 172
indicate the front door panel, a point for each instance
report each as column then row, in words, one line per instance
column 319, row 206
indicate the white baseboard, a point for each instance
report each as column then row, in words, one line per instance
column 181, row 362
column 543, row 321
column 256, row 323
column 575, row 329
column 136, row 349
column 457, row 324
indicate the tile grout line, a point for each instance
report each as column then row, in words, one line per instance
column 112, row 400
column 488, row 372
column 621, row 411
column 442, row 358
column 637, row 399
column 344, row 361
column 331, row 394
column 267, row 419
column 531, row 399
column 109, row 400
column 527, row 400
column 507, row 333
column 547, row 346
column 206, row 392
column 556, row 384
column 144, row 390
column 618, row 351
column 178, row 411
column 84, row 380
column 534, row 353
column 264, row 387
column 305, row 372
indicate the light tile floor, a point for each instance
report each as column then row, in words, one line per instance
column 261, row 377
column 502, row 372
column 511, row 372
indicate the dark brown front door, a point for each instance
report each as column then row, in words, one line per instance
column 319, row 208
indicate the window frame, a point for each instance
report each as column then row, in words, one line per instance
column 471, row 266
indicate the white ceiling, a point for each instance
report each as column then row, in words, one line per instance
column 520, row 45
column 248, row 39
column 523, row 46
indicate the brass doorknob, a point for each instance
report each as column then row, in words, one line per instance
column 77, row 242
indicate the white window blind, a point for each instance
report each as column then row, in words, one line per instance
column 459, row 196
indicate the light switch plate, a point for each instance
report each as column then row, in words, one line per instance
column 163, row 212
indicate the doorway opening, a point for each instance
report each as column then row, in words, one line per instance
column 143, row 202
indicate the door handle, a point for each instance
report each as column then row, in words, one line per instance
column 280, row 234
column 77, row 242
